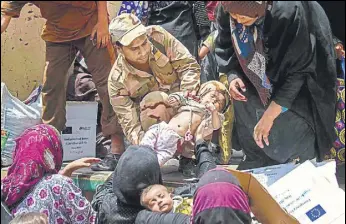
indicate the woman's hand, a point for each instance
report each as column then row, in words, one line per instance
column 264, row 125
column 262, row 130
column 78, row 164
column 234, row 87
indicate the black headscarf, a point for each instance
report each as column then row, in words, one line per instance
column 137, row 169
column 118, row 200
column 301, row 63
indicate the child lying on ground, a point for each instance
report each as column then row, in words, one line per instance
column 156, row 198
column 205, row 112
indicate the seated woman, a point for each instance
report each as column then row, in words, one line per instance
column 34, row 185
column 118, row 200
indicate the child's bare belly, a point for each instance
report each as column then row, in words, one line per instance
column 180, row 122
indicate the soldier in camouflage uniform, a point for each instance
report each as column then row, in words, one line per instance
column 151, row 64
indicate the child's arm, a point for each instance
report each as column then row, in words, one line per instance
column 208, row 45
column 215, row 118
column 203, row 52
column 212, row 123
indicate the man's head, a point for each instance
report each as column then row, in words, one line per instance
column 157, row 199
column 129, row 35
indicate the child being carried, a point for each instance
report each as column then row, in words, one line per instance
column 205, row 113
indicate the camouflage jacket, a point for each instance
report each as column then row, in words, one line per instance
column 173, row 69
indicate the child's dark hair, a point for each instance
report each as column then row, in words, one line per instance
column 145, row 192
column 30, row 218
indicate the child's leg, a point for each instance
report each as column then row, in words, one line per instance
column 163, row 140
column 150, row 137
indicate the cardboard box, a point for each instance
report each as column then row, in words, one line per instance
column 79, row 137
column 309, row 193
column 269, row 175
column 289, row 193
column 263, row 205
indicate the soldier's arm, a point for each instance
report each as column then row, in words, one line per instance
column 126, row 111
column 183, row 62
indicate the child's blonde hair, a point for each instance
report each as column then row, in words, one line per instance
column 30, row 218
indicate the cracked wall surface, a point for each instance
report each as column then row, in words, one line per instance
column 23, row 50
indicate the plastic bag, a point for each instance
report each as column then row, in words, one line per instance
column 16, row 117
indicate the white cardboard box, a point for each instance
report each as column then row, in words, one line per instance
column 310, row 195
column 271, row 174
column 79, row 137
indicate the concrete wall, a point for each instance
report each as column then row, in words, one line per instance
column 23, row 51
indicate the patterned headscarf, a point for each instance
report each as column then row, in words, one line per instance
column 248, row 42
column 38, row 152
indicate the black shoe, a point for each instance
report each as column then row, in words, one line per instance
column 109, row 163
column 187, row 167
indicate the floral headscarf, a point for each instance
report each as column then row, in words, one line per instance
column 38, row 152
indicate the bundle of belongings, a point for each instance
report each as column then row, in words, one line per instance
column 16, row 116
